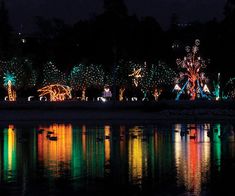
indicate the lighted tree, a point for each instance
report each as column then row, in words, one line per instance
column 122, row 78
column 13, row 68
column 192, row 75
column 83, row 77
column 9, row 83
column 229, row 89
column 32, row 79
column 155, row 78
column 138, row 71
column 31, row 74
column 52, row 75
column 217, row 88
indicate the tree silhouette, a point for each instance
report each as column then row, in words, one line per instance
column 229, row 8
column 116, row 7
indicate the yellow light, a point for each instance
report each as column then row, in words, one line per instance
column 136, row 74
column 55, row 154
column 56, row 92
column 121, row 93
column 136, row 156
column 11, row 146
column 11, row 92
column 107, row 145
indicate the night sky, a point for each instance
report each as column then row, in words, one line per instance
column 23, row 11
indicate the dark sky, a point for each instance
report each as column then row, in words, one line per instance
column 23, row 11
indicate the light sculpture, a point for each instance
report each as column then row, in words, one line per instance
column 192, row 75
column 56, row 92
column 136, row 74
column 9, row 82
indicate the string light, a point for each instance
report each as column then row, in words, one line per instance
column 9, row 82
column 56, row 92
column 83, row 77
column 122, row 79
column 136, row 76
column 52, row 75
column 155, row 78
column 192, row 65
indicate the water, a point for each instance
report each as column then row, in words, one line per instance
column 66, row 159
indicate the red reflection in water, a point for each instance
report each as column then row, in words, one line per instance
column 192, row 159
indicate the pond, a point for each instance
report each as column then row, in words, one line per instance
column 117, row 159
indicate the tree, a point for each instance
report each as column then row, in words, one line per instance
column 229, row 8
column 9, row 83
column 52, row 75
column 83, row 77
column 116, row 7
column 122, row 79
column 155, row 78
column 193, row 76
column 14, row 76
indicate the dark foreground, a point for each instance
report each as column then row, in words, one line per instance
column 117, row 159
column 174, row 111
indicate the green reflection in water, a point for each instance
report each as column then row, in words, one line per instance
column 77, row 153
column 9, row 154
column 136, row 156
column 217, row 145
column 94, row 152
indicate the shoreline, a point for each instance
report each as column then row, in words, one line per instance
column 70, row 111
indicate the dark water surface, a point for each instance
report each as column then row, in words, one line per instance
column 70, row 159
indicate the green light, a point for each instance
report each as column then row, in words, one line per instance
column 9, row 154
column 9, row 77
column 217, row 145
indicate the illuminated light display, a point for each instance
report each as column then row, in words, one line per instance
column 52, row 75
column 9, row 82
column 22, row 71
column 122, row 71
column 107, row 93
column 156, row 94
column 83, row 77
column 217, row 88
column 136, row 74
column 156, row 78
column 192, row 75
column 121, row 93
column 206, row 89
column 56, row 92
column 229, row 89
column 177, row 88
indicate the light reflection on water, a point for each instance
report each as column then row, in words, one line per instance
column 179, row 159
